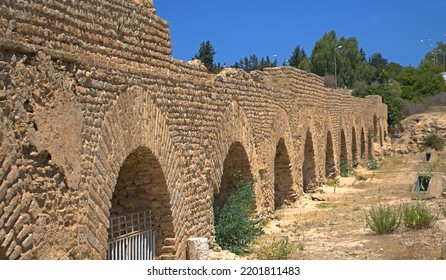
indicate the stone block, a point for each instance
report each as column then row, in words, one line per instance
column 198, row 248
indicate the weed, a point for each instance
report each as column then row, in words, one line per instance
column 383, row 219
column 275, row 250
column 300, row 246
column 418, row 216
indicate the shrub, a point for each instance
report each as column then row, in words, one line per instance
column 383, row 219
column 433, row 141
column 276, row 249
column 344, row 169
column 418, row 216
column 235, row 225
column 372, row 163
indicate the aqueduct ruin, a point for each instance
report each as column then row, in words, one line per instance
column 98, row 121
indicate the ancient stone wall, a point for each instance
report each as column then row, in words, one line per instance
column 97, row 120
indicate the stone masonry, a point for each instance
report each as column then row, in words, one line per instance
column 98, row 120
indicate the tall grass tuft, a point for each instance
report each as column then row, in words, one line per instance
column 418, row 216
column 383, row 219
column 276, row 249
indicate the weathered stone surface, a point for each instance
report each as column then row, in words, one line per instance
column 99, row 121
column 412, row 131
column 198, row 248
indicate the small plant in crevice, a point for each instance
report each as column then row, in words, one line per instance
column 418, row 216
column 276, row 249
column 235, row 223
column 383, row 219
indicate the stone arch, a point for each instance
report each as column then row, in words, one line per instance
column 236, row 166
column 141, row 186
column 283, row 179
column 330, row 165
column 370, row 142
column 277, row 178
column 234, row 133
column 343, row 156
column 362, row 144
column 380, row 136
column 134, row 140
column 309, row 164
column 354, row 147
column 375, row 129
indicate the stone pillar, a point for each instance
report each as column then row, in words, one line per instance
column 198, row 248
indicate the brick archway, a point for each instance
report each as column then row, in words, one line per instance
column 236, row 166
column 283, row 180
column 309, row 164
column 343, row 157
column 131, row 163
column 330, row 165
column 354, row 147
column 363, row 143
column 141, row 187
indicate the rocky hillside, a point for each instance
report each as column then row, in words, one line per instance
column 412, row 130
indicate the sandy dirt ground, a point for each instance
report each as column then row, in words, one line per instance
column 331, row 225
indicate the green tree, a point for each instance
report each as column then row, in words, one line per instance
column 252, row 63
column 297, row 56
column 380, row 63
column 206, row 54
column 349, row 57
column 364, row 74
column 391, row 72
column 420, row 83
column 305, row 64
column 322, row 56
column 391, row 95
column 437, row 56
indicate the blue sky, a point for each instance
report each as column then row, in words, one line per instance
column 238, row 28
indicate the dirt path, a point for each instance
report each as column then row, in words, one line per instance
column 335, row 227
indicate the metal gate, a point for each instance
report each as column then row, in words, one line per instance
column 132, row 237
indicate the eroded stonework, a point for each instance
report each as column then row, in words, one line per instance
column 97, row 119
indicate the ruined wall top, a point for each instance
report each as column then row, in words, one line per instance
column 148, row 4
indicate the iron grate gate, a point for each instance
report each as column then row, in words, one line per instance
column 132, row 237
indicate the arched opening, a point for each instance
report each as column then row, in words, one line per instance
column 330, row 168
column 369, row 143
column 236, row 165
column 140, row 217
column 283, row 181
column 380, row 137
column 343, row 158
column 354, row 148
column 362, row 143
column 309, row 165
column 375, row 129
